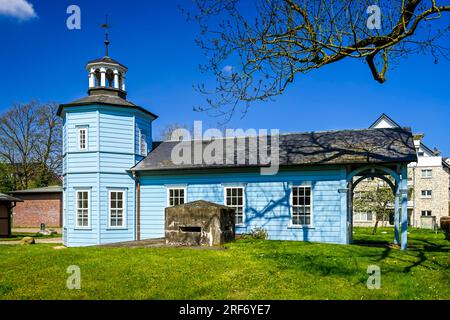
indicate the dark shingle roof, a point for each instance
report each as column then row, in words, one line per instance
column 107, row 60
column 5, row 197
column 50, row 189
column 104, row 99
column 389, row 145
column 446, row 162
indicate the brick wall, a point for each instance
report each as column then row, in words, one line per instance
column 37, row 209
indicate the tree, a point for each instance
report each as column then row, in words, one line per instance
column 49, row 143
column 377, row 200
column 30, row 144
column 165, row 134
column 256, row 50
column 6, row 179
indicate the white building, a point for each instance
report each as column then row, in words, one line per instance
column 428, row 181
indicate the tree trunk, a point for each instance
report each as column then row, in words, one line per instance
column 374, row 232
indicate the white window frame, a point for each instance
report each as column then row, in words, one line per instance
column 86, row 137
column 430, row 211
column 357, row 216
column 426, row 196
column 88, row 208
column 124, row 208
column 243, row 202
column 291, row 202
column 427, row 176
column 176, row 188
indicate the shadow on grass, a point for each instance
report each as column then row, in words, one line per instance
column 420, row 246
column 320, row 265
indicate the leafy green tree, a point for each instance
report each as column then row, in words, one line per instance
column 6, row 179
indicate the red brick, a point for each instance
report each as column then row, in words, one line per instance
column 37, row 209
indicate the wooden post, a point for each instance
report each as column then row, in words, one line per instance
column 404, row 192
column 138, row 208
column 396, row 215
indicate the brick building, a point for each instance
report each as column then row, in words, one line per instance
column 41, row 205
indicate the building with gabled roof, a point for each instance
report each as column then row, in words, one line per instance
column 428, row 181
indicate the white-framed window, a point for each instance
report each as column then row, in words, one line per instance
column 176, row 196
column 301, row 206
column 235, row 198
column 83, row 208
column 426, row 213
column 427, row 173
column 427, row 194
column 117, row 209
column 82, row 139
column 363, row 216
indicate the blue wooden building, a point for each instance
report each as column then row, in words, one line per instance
column 118, row 181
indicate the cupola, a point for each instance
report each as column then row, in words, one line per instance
column 106, row 75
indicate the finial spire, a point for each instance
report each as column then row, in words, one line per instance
column 106, row 26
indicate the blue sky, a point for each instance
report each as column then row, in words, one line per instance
column 42, row 59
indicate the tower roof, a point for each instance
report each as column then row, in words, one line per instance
column 107, row 100
column 108, row 60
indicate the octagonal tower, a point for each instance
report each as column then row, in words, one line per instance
column 104, row 135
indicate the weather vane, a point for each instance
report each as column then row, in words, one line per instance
column 106, row 26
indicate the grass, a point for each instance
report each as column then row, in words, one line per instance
column 248, row 269
column 16, row 236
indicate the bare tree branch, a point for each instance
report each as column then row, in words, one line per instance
column 256, row 49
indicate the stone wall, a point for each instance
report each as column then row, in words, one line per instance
column 439, row 184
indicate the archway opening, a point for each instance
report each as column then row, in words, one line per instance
column 110, row 78
column 373, row 199
column 98, row 77
column 392, row 184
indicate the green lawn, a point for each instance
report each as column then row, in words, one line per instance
column 248, row 269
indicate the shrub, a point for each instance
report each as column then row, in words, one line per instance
column 445, row 225
column 256, row 233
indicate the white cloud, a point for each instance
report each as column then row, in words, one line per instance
column 20, row 9
column 227, row 69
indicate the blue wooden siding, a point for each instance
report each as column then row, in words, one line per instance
column 143, row 126
column 153, row 203
column 114, row 148
column 104, row 166
column 267, row 202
